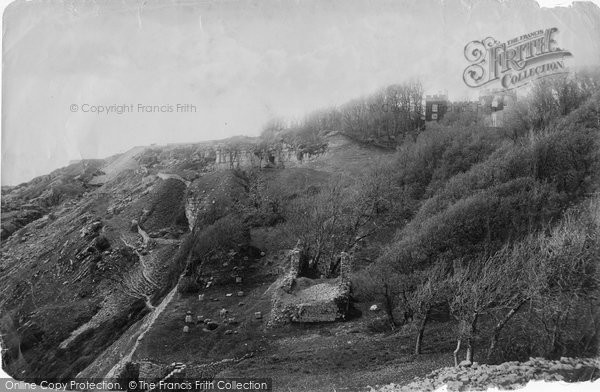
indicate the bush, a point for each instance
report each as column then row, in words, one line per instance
column 263, row 206
column 374, row 284
column 569, row 159
column 188, row 285
column 486, row 211
column 214, row 241
column 562, row 279
column 461, row 119
column 167, row 207
column 475, row 224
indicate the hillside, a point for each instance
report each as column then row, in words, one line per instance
column 102, row 243
column 319, row 259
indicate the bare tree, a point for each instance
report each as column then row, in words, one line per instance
column 479, row 287
column 431, row 292
column 341, row 215
column 380, row 284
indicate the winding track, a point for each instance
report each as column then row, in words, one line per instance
column 150, row 319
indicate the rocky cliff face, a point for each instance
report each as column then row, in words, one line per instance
column 215, row 158
column 76, row 281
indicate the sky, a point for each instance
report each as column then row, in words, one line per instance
column 232, row 64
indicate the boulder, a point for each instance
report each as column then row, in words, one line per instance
column 95, row 226
column 101, row 243
column 232, row 321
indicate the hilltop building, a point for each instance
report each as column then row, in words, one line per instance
column 491, row 105
column 463, row 106
column 494, row 104
column 435, row 107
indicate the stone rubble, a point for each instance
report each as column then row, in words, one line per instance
column 508, row 375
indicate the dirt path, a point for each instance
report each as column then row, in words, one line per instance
column 145, row 236
column 145, row 327
column 106, row 312
column 138, row 283
column 123, row 162
column 166, row 176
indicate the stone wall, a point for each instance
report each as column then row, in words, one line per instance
column 290, row 277
column 345, row 267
